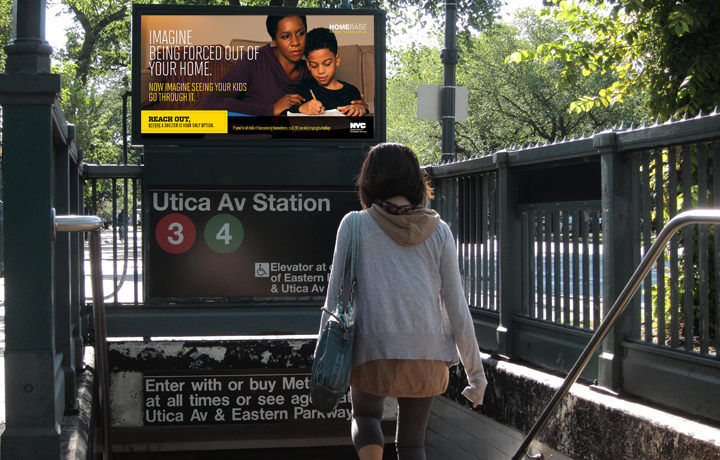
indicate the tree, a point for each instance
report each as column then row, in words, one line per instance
column 508, row 104
column 104, row 38
column 666, row 48
column 98, row 47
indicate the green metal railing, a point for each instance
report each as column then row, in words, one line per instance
column 675, row 224
column 550, row 235
column 113, row 187
column 92, row 225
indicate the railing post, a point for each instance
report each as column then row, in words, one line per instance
column 77, row 256
column 62, row 273
column 445, row 202
column 34, row 383
column 619, row 257
column 509, row 252
column 450, row 205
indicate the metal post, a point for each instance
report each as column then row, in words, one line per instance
column 34, row 383
column 619, row 256
column 125, row 96
column 509, row 253
column 62, row 280
column 77, row 254
column 449, row 57
column 101, row 358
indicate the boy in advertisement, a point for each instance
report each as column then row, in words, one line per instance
column 324, row 92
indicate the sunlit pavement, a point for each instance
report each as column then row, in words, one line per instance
column 118, row 276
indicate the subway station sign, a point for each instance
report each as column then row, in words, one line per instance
column 239, row 243
column 233, row 398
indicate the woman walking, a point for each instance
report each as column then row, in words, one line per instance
column 412, row 319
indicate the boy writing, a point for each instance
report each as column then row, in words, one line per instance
column 324, row 91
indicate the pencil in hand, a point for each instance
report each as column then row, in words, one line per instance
column 313, row 95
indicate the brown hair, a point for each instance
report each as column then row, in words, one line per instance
column 392, row 170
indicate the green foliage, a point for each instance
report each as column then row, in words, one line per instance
column 660, row 173
column 508, row 104
column 100, row 38
column 5, row 28
column 97, row 116
column 416, row 65
column 99, row 41
column 666, row 48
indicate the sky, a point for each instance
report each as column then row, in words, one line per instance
column 55, row 26
column 512, row 5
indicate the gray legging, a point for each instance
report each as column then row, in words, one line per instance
column 412, row 419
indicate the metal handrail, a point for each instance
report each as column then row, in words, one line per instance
column 697, row 216
column 92, row 225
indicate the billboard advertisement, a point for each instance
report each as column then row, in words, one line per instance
column 217, row 75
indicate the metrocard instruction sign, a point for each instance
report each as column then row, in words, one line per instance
column 243, row 243
column 278, row 396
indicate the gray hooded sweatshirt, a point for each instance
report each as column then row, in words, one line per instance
column 409, row 299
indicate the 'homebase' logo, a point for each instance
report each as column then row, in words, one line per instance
column 360, row 127
column 358, row 28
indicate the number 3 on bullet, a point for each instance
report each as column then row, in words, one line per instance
column 175, row 233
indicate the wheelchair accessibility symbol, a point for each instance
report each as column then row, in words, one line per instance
column 262, row 270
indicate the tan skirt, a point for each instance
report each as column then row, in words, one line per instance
column 401, row 378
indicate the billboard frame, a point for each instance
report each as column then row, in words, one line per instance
column 379, row 111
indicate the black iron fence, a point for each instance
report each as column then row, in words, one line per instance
column 114, row 193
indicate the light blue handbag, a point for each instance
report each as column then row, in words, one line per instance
column 333, row 355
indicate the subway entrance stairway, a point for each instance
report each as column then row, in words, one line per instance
column 587, row 423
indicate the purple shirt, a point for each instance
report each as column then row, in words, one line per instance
column 266, row 82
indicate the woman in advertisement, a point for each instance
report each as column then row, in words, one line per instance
column 271, row 77
column 411, row 316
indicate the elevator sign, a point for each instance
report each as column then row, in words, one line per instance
column 234, row 243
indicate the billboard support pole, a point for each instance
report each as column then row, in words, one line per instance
column 449, row 57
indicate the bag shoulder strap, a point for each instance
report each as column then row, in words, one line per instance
column 351, row 256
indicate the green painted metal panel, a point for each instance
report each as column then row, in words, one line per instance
column 336, row 167
column 28, row 162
